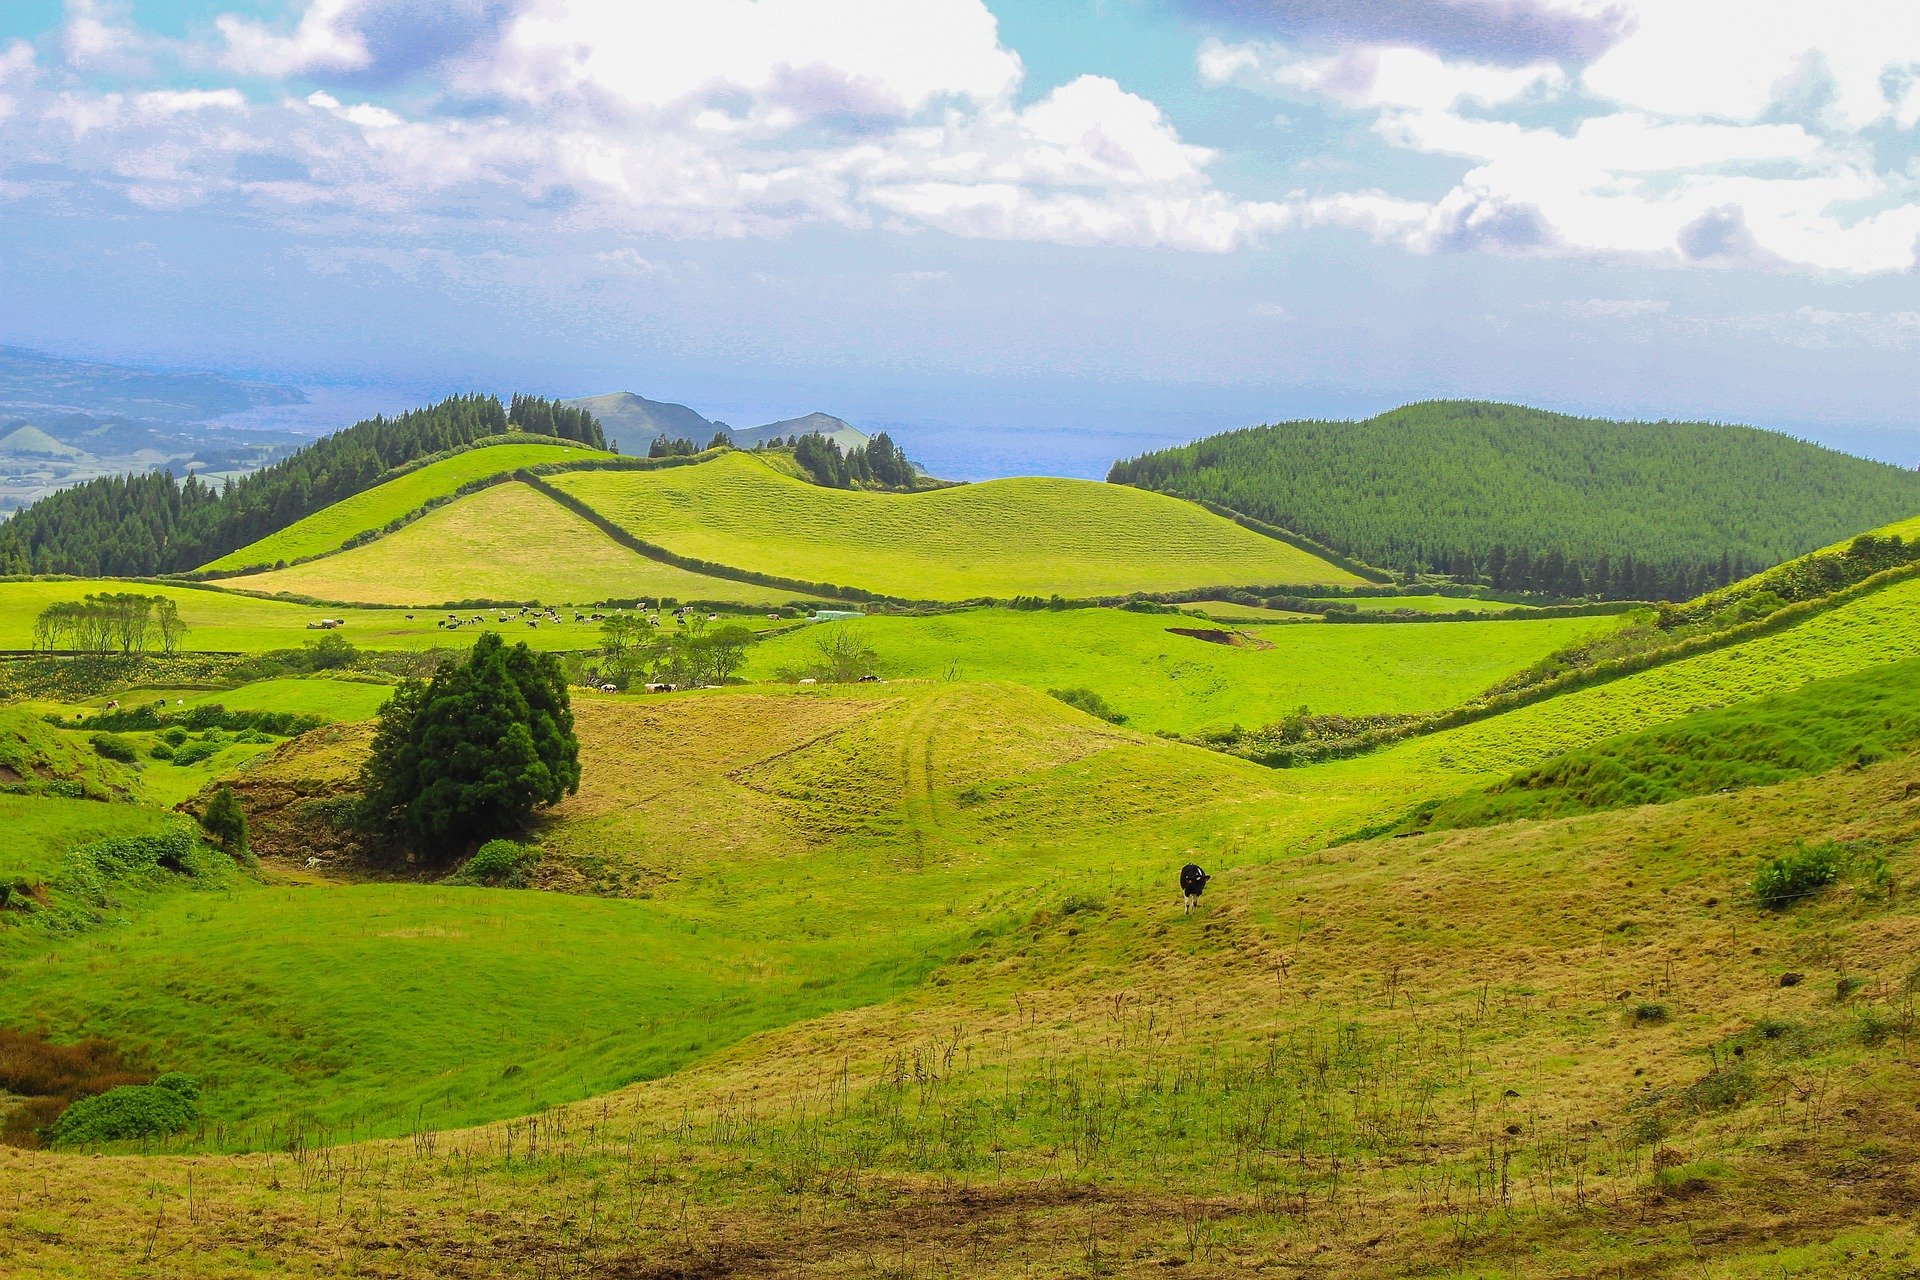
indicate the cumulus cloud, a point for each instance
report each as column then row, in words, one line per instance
column 1503, row 31
column 1760, row 155
column 724, row 118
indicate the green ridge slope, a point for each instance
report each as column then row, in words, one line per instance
column 1001, row 538
column 506, row 542
column 328, row 529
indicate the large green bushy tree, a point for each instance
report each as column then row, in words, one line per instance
column 472, row 753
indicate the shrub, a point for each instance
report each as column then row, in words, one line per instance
column 195, row 752
column 181, row 1083
column 500, row 864
column 173, row 735
column 130, row 1111
column 1090, row 702
column 1649, row 1014
column 1787, row 879
column 114, row 747
column 160, row 751
column 226, row 821
column 330, row 652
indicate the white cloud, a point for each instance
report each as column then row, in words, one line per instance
column 1711, row 131
column 725, row 118
column 1386, row 76
column 324, row 40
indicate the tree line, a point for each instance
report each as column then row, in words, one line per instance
column 136, row 525
column 634, row 651
column 878, row 464
column 1525, row 500
column 125, row 623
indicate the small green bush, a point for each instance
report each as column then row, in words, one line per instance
column 181, row 1083
column 114, row 747
column 1090, row 702
column 174, row 735
column 1649, row 1014
column 160, row 751
column 500, row 864
column 130, row 1111
column 195, row 752
column 1791, row 877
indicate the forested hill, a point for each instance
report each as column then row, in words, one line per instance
column 1533, row 500
column 145, row 524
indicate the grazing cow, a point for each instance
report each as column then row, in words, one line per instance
column 1193, row 883
column 113, row 704
column 609, row 688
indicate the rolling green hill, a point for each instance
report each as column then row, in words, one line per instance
column 1631, row 510
column 506, row 542
column 1002, row 538
column 365, row 513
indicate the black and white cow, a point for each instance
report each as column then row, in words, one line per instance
column 1193, row 883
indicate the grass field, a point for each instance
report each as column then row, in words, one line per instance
column 507, row 542
column 311, row 696
column 1163, row 681
column 926, row 814
column 893, row 980
column 1314, row 1068
column 375, row 508
column 39, row 830
column 1001, row 538
column 229, row 622
column 1431, row 604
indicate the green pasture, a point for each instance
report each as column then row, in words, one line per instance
column 375, row 508
column 37, row 831
column 940, row 813
column 335, row 699
column 1001, row 538
column 507, row 542
column 1164, row 681
column 227, row 621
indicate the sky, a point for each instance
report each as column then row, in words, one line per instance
column 1022, row 234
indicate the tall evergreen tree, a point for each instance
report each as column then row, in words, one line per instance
column 471, row 754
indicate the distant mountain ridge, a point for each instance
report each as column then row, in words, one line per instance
column 66, row 421
column 632, row 422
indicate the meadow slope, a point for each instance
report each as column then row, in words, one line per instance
column 1001, row 538
column 507, row 542
column 1162, row 680
column 1525, row 1052
column 330, row 528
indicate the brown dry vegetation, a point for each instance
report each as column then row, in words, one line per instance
column 1412, row 1057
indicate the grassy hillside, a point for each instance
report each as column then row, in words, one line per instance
column 1164, row 681
column 330, row 528
column 1002, row 538
column 42, row 829
column 1527, row 1052
column 1442, row 485
column 506, row 542
column 1853, row 720
column 469, row 1003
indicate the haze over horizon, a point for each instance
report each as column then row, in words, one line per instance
column 1019, row 235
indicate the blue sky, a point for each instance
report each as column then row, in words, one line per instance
column 1026, row 234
